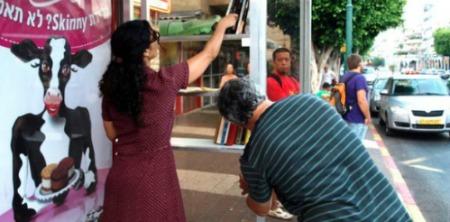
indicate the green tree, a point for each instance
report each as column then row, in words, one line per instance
column 442, row 41
column 328, row 25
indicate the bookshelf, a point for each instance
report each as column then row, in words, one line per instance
column 193, row 121
column 196, row 123
column 197, row 128
column 198, row 144
column 201, row 38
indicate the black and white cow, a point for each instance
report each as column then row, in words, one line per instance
column 57, row 131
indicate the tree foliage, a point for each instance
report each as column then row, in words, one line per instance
column 442, row 41
column 328, row 20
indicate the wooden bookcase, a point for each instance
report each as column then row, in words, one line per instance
column 196, row 113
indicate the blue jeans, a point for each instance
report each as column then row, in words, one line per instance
column 359, row 129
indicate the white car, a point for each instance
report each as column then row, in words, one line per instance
column 370, row 75
column 415, row 103
column 374, row 95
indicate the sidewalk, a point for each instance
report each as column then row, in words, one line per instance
column 387, row 165
column 210, row 187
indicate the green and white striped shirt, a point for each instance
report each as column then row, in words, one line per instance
column 320, row 171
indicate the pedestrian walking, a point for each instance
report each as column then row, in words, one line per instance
column 358, row 115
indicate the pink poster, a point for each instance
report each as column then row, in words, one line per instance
column 54, row 155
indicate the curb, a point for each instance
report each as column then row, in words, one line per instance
column 399, row 182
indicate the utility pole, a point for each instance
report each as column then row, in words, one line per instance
column 348, row 32
column 305, row 45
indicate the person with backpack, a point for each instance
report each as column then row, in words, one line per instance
column 281, row 83
column 357, row 113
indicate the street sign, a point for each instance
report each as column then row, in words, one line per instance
column 343, row 48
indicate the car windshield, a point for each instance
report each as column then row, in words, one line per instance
column 379, row 84
column 368, row 70
column 416, row 87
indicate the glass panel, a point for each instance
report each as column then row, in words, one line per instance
column 283, row 32
column 417, row 87
column 380, row 84
column 184, row 32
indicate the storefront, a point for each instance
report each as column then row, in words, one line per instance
column 80, row 29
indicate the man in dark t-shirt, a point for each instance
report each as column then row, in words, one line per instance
column 358, row 116
column 304, row 153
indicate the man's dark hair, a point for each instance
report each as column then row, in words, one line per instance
column 353, row 61
column 280, row 50
column 237, row 100
column 326, row 85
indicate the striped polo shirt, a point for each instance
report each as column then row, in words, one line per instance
column 319, row 169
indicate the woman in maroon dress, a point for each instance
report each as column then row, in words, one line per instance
column 137, row 110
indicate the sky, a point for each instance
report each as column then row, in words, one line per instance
column 413, row 12
column 413, row 19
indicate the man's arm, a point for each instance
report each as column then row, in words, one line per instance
column 274, row 90
column 198, row 63
column 297, row 85
column 260, row 209
column 363, row 105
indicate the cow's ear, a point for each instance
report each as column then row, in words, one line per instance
column 26, row 50
column 82, row 58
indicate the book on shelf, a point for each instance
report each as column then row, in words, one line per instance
column 225, row 132
column 232, row 133
column 247, row 136
column 219, row 131
column 239, row 140
column 239, row 7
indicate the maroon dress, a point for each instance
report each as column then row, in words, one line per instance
column 142, row 184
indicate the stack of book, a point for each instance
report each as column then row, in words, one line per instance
column 230, row 134
column 239, row 7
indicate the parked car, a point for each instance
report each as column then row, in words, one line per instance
column 448, row 85
column 374, row 95
column 445, row 75
column 415, row 103
column 370, row 75
column 439, row 72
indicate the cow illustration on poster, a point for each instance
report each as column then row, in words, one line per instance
column 54, row 154
column 58, row 131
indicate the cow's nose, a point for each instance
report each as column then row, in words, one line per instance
column 53, row 92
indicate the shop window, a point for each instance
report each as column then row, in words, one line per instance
column 184, row 32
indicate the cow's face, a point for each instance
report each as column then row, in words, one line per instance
column 55, row 66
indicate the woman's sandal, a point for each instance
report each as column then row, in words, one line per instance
column 280, row 214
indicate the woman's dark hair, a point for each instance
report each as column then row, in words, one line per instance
column 237, row 100
column 125, row 77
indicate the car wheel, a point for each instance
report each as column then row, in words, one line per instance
column 373, row 113
column 381, row 121
column 387, row 130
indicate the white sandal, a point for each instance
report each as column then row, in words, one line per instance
column 280, row 214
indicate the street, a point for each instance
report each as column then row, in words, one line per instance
column 424, row 162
